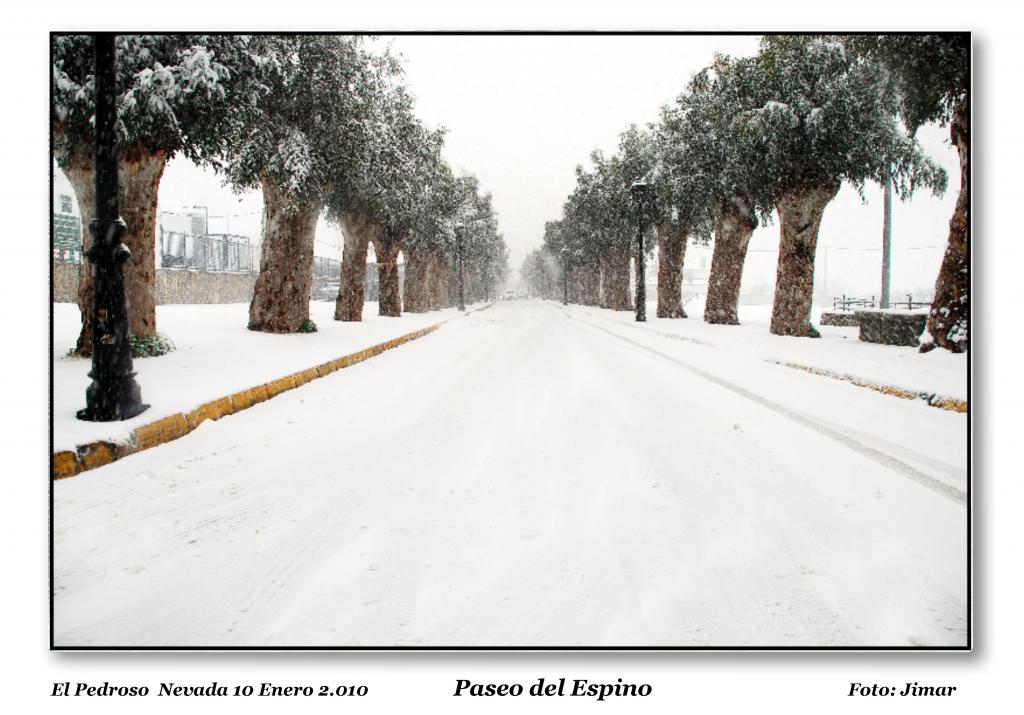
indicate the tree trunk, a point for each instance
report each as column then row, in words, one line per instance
column 735, row 221
column 580, row 284
column 950, row 312
column 619, row 297
column 390, row 292
column 604, row 280
column 139, row 174
column 434, row 280
column 431, row 291
column 672, row 242
column 471, row 285
column 358, row 232
column 138, row 182
column 590, row 284
column 444, row 281
column 414, row 292
column 79, row 173
column 280, row 301
column 800, row 215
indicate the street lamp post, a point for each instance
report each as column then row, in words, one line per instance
column 640, row 193
column 883, row 301
column 113, row 394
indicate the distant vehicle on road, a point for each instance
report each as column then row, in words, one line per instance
column 509, row 295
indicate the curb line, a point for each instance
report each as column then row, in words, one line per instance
column 942, row 402
column 88, row 456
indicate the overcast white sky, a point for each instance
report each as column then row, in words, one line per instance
column 523, row 111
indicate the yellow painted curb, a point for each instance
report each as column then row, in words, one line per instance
column 304, row 376
column 952, row 404
column 244, row 399
column 160, row 432
column 213, row 410
column 96, row 454
column 948, row 403
column 65, row 464
column 276, row 387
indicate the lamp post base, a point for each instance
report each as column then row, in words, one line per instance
column 115, row 401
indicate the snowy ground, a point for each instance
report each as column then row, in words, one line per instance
column 536, row 476
column 216, row 355
column 838, row 350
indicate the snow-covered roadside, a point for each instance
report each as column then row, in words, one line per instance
column 216, row 355
column 863, row 419
column 838, row 350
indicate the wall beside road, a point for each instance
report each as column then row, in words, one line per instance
column 203, row 287
column 65, row 282
column 172, row 285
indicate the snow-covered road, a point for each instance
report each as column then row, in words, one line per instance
column 531, row 475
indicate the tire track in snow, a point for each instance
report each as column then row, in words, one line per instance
column 877, row 456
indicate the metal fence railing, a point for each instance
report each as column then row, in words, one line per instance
column 851, row 303
column 328, row 268
column 226, row 253
column 212, row 252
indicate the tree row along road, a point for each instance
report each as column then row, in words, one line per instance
column 522, row 477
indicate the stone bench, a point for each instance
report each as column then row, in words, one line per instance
column 891, row 327
column 840, row 319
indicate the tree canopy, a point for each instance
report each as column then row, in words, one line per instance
column 476, row 224
column 313, row 121
column 930, row 73
column 399, row 175
column 711, row 161
column 829, row 117
column 175, row 92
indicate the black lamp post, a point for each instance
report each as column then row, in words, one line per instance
column 113, row 394
column 459, row 230
column 640, row 192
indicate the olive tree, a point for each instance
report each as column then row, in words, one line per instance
column 408, row 205
column 827, row 117
column 576, row 231
column 931, row 78
column 557, row 241
column 680, row 206
column 385, row 197
column 303, row 134
column 176, row 94
column 487, row 265
column 481, row 252
column 717, row 173
column 539, row 271
column 428, row 249
column 582, row 251
column 602, row 211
